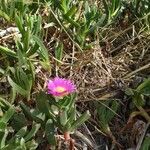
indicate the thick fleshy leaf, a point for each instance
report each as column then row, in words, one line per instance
column 50, row 132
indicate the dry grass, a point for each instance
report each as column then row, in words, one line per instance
column 122, row 57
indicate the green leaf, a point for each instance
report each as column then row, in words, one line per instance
column 2, row 126
column 13, row 94
column 144, row 88
column 4, row 6
column 18, row 121
column 106, row 111
column 31, row 145
column 33, row 131
column 129, row 92
column 26, row 111
column 71, row 21
column 21, row 58
column 37, row 27
column 4, row 15
column 42, row 104
column 32, row 69
column 21, row 81
column 8, row 114
column 3, row 133
column 101, row 22
column 72, row 11
column 19, row 23
column 38, row 116
column 72, row 102
column 71, row 119
column 138, row 99
column 85, row 116
column 64, row 5
column 63, row 117
column 7, row 51
column 11, row 9
column 3, row 136
column 50, row 132
column 4, row 103
column 26, row 39
column 67, row 102
column 59, row 51
column 43, row 51
column 114, row 7
column 17, row 87
column 146, row 144
column 107, row 18
column 2, row 71
column 22, row 132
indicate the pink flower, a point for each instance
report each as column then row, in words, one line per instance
column 60, row 87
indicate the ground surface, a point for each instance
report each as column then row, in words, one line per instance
column 109, row 60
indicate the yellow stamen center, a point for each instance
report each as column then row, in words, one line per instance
column 60, row 89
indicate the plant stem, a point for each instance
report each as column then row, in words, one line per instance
column 144, row 113
column 67, row 136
